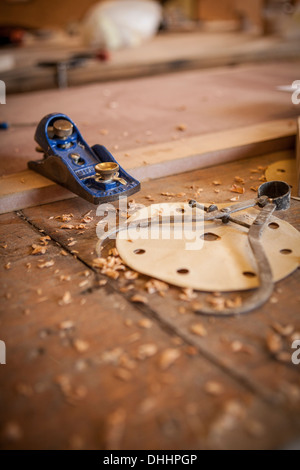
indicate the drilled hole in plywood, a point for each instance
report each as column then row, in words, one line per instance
column 139, row 251
column 210, row 237
column 183, row 271
column 249, row 274
column 273, row 225
column 180, row 210
column 286, row 251
column 280, row 170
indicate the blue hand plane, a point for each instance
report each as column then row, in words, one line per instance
column 90, row 172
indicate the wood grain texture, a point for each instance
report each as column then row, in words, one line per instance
column 142, row 112
column 27, row 188
column 165, row 53
column 82, row 399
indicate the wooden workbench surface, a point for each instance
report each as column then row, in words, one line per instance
column 110, row 379
column 128, row 115
column 166, row 52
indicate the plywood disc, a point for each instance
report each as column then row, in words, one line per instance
column 214, row 257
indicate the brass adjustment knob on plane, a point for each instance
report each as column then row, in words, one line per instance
column 108, row 171
column 62, row 128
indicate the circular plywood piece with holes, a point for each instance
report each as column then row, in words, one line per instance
column 284, row 170
column 210, row 257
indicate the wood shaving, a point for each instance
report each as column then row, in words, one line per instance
column 83, row 283
column 7, row 265
column 217, row 303
column 146, row 350
column 80, row 345
column 102, row 282
column 113, row 252
column 123, row 374
column 38, row 249
column 131, row 275
column 155, row 285
column 103, row 131
column 85, row 273
column 216, row 182
column 164, row 193
column 187, row 294
column 283, row 330
column 145, row 323
column 65, row 217
column 42, row 299
column 149, row 197
column 198, row 329
column 274, row 342
column 44, row 240
column 168, row 357
column 254, row 188
column 262, row 178
column 237, row 189
column 111, row 273
column 99, row 263
column 66, row 325
column 63, row 253
column 139, row 299
column 72, row 394
column 72, row 243
column 46, row 264
column 233, row 302
column 213, row 388
column 67, row 226
column 64, row 277
column 180, row 194
column 238, row 179
column 125, row 289
column 181, row 127
column 237, row 346
column 80, row 227
column 66, row 298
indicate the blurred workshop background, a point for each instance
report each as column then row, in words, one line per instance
column 47, row 44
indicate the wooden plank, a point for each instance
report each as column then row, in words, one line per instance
column 165, row 53
column 148, row 111
column 26, row 189
column 108, row 395
column 106, row 398
column 254, row 365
